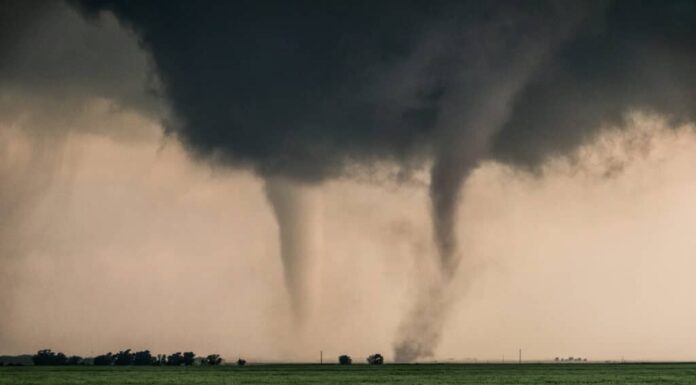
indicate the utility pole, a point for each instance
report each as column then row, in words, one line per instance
column 321, row 357
column 520, row 356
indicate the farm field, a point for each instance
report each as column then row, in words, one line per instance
column 652, row 373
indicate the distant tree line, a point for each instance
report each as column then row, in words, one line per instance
column 128, row 357
column 48, row 357
column 570, row 359
column 125, row 358
column 20, row 360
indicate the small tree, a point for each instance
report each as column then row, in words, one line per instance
column 175, row 359
column 74, row 360
column 161, row 359
column 241, row 362
column 48, row 357
column 104, row 359
column 375, row 359
column 124, row 357
column 213, row 359
column 345, row 360
column 189, row 358
column 143, row 358
column 43, row 357
column 61, row 359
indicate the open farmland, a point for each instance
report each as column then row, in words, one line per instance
column 653, row 373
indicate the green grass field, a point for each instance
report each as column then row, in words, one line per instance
column 358, row 374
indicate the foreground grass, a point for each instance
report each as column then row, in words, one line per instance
column 358, row 374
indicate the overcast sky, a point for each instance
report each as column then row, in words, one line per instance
column 532, row 163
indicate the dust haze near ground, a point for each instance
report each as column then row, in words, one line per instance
column 114, row 237
column 126, row 258
column 304, row 90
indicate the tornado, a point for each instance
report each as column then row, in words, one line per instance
column 303, row 92
column 295, row 207
column 419, row 333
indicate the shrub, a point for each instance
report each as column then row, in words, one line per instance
column 143, row 358
column 47, row 357
column 104, row 359
column 124, row 357
column 375, row 359
column 213, row 359
column 74, row 360
column 161, row 359
column 345, row 360
column 188, row 358
column 175, row 359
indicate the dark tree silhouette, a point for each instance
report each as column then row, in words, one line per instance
column 213, row 359
column 127, row 357
column 176, row 359
column 241, row 362
column 189, row 358
column 104, row 359
column 48, row 357
column 75, row 360
column 61, row 359
column 143, row 358
column 124, row 357
column 375, row 359
column 345, row 360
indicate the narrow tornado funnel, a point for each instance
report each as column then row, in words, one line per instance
column 297, row 212
column 420, row 331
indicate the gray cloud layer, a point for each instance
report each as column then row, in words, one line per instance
column 303, row 89
column 58, row 75
column 634, row 56
column 299, row 89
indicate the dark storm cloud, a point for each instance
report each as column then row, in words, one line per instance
column 54, row 63
column 301, row 89
column 58, row 75
column 283, row 86
column 640, row 55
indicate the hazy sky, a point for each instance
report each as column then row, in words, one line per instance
column 116, row 235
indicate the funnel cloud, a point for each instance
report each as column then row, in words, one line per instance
column 304, row 92
column 295, row 209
